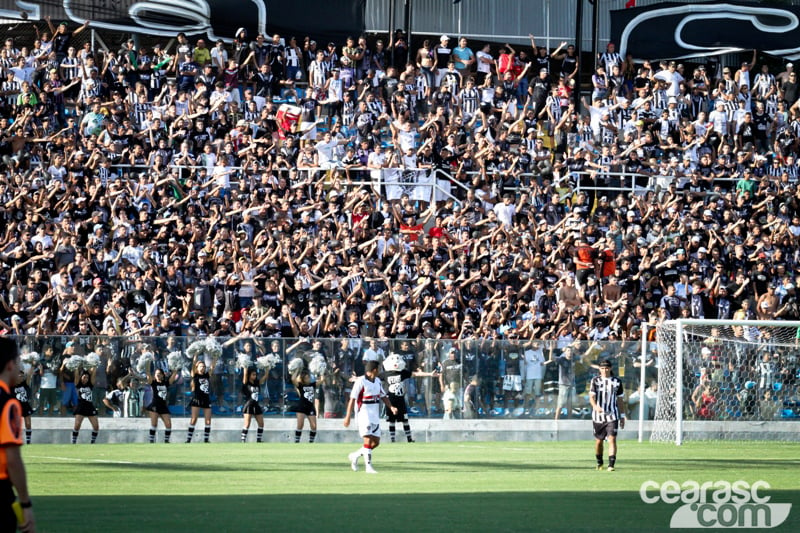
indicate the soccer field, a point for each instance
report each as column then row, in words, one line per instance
column 508, row 486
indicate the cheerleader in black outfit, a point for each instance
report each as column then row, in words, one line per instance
column 85, row 408
column 158, row 407
column 251, row 390
column 305, row 407
column 201, row 397
column 23, row 394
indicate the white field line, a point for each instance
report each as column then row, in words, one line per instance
column 77, row 460
column 494, row 448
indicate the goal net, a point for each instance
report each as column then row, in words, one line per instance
column 726, row 380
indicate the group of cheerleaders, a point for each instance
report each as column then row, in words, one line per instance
column 201, row 401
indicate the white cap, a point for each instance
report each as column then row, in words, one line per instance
column 444, row 38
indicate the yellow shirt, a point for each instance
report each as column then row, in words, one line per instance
column 201, row 56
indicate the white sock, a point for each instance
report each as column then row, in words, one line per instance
column 367, row 453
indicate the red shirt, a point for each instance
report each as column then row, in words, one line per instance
column 439, row 233
column 585, row 254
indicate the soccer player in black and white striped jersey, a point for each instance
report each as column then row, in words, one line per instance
column 608, row 413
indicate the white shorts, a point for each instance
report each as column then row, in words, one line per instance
column 533, row 386
column 512, row 383
column 369, row 423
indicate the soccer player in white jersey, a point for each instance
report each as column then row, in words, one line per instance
column 366, row 395
column 608, row 413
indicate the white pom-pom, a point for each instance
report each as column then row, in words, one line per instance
column 175, row 361
column 267, row 362
column 195, row 349
column 318, row 366
column 74, row 363
column 243, row 360
column 213, row 348
column 296, row 365
column 30, row 358
column 144, row 362
column 91, row 361
column 394, row 363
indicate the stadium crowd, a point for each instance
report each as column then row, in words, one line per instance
column 272, row 188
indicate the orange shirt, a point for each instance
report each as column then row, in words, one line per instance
column 10, row 426
column 585, row 254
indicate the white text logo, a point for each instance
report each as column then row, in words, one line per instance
column 717, row 504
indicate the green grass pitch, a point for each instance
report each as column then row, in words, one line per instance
column 487, row 487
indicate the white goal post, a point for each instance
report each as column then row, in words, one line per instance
column 723, row 379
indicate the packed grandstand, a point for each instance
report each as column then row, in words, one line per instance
column 456, row 206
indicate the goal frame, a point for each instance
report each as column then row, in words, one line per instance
column 680, row 324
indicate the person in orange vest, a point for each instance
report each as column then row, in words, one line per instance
column 13, row 514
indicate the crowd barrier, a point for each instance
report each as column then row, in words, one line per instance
column 512, row 379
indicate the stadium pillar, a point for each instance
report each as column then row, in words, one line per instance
column 578, row 48
column 390, row 42
column 595, row 24
column 459, row 18
column 407, row 24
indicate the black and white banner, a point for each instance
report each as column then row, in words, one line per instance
column 320, row 19
column 680, row 31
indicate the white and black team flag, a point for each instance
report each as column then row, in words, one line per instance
column 678, row 31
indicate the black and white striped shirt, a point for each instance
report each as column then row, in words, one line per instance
column 318, row 73
column 348, row 112
column 5, row 64
column 608, row 60
column 469, row 99
column 104, row 174
column 605, row 392
column 13, row 88
column 71, row 66
column 791, row 170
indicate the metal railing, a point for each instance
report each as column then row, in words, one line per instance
column 442, row 184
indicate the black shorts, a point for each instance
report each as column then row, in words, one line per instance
column 252, row 408
column 26, row 409
column 306, row 408
column 8, row 520
column 85, row 409
column 202, row 403
column 400, row 404
column 602, row 430
column 158, row 408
